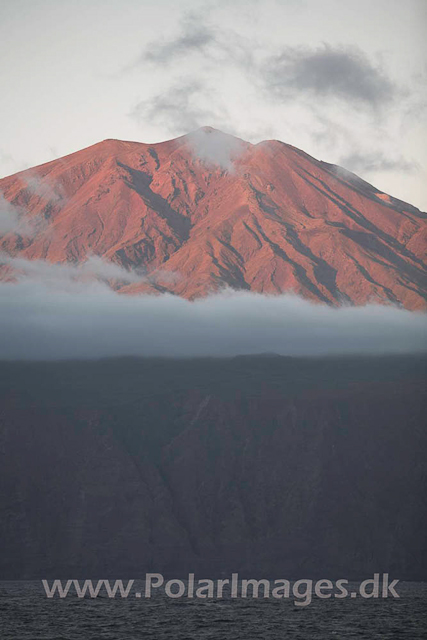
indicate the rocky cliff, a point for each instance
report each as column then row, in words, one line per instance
column 267, row 466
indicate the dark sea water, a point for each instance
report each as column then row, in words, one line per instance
column 26, row 614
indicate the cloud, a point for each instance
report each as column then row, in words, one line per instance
column 9, row 216
column 89, row 320
column 215, row 147
column 42, row 188
column 12, row 219
column 195, row 36
column 66, row 274
column 339, row 72
column 376, row 161
column 183, row 107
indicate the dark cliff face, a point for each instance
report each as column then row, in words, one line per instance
column 263, row 465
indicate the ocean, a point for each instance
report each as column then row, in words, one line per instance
column 26, row 614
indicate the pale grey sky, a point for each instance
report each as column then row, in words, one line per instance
column 343, row 80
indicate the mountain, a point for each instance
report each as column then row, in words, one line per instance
column 208, row 210
column 269, row 466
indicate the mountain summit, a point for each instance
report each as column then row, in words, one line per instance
column 209, row 210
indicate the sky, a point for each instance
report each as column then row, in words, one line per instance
column 345, row 81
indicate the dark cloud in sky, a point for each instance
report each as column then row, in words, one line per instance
column 195, row 36
column 183, row 107
column 314, row 78
column 62, row 318
column 340, row 72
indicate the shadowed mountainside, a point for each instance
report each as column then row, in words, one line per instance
column 267, row 466
column 208, row 210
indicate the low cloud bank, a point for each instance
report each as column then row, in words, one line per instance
column 40, row 320
column 65, row 274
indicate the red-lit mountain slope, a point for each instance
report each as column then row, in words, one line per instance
column 213, row 210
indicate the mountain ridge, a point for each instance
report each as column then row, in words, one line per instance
column 215, row 211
